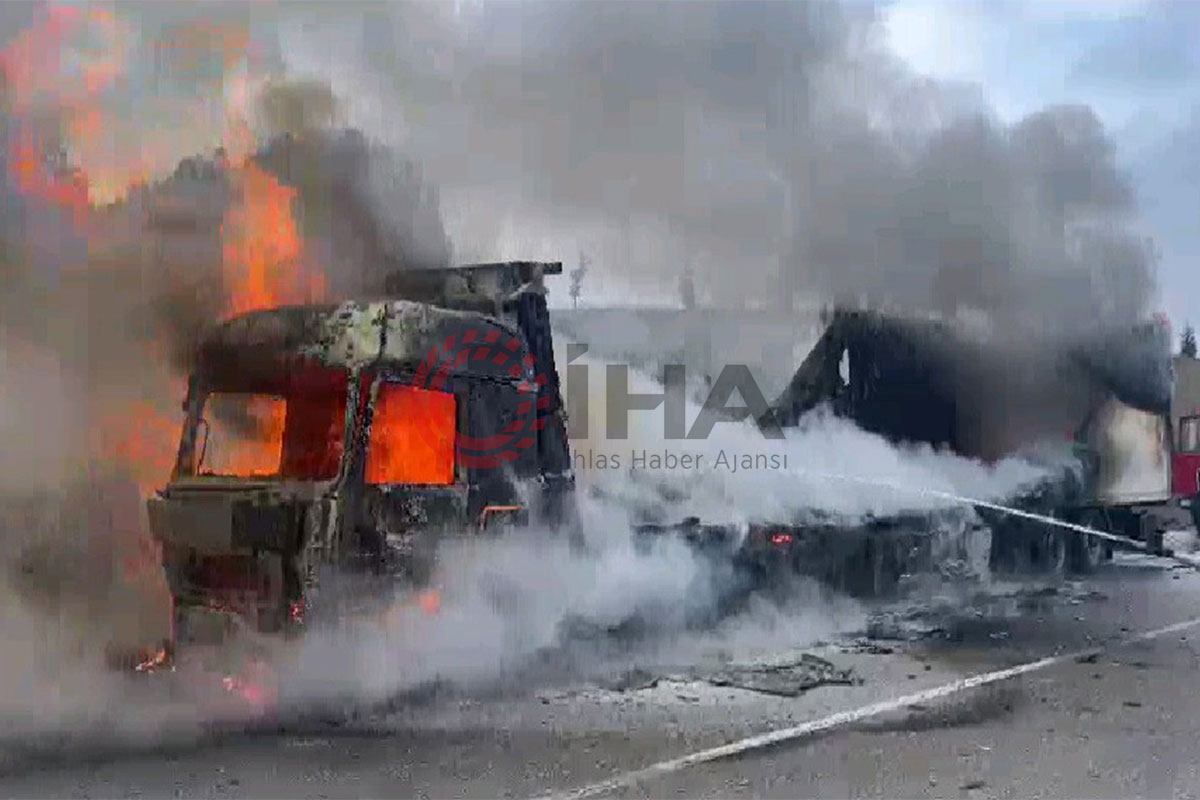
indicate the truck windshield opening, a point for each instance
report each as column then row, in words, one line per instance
column 298, row 435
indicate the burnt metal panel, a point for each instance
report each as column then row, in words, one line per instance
column 203, row 523
column 266, row 525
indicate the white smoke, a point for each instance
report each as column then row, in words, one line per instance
column 502, row 601
column 506, row 600
column 644, row 123
column 739, row 475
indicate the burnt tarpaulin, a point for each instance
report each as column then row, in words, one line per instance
column 894, row 377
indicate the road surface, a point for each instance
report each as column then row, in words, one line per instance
column 1117, row 716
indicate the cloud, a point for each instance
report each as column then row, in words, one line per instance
column 1080, row 10
column 945, row 40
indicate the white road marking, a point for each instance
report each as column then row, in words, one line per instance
column 843, row 718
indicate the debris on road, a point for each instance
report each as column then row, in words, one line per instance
column 786, row 679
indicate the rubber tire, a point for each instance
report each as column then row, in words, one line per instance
column 1088, row 553
column 1056, row 553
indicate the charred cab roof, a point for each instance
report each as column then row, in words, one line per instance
column 263, row 347
column 424, row 309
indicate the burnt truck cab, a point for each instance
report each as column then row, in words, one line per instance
column 325, row 441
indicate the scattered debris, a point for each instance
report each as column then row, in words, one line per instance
column 786, row 679
column 869, row 648
column 631, row 680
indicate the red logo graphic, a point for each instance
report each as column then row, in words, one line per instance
column 520, row 432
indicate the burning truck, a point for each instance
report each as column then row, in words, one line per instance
column 936, row 382
column 1093, row 410
column 325, row 441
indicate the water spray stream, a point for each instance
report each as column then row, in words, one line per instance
column 1016, row 512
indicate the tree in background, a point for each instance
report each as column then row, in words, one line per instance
column 577, row 279
column 1187, row 342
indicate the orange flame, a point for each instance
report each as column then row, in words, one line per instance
column 261, row 457
column 68, row 148
column 412, row 437
column 256, row 455
column 262, row 247
column 61, row 87
column 54, row 73
column 143, row 438
column 256, row 686
column 430, row 602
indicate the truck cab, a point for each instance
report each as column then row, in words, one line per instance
column 1185, row 419
column 326, row 441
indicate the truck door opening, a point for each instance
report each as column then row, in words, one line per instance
column 1185, row 466
column 412, row 437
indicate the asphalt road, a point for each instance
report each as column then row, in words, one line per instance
column 1124, row 722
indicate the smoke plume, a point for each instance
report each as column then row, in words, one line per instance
column 742, row 138
column 771, row 147
column 131, row 143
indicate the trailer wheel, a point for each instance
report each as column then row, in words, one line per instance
column 1041, row 552
column 1088, row 553
column 1055, row 554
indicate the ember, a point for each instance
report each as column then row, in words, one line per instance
column 255, row 685
column 160, row 660
column 430, row 601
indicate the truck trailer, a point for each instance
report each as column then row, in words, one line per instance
column 936, row 382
